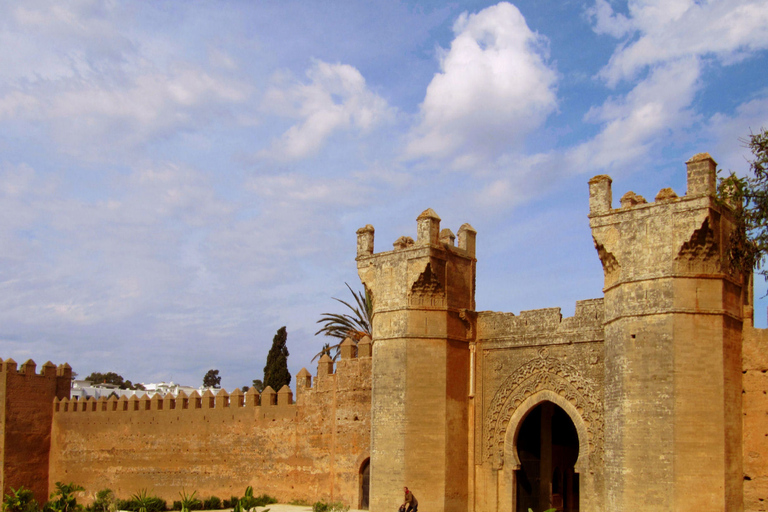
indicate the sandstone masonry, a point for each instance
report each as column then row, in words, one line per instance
column 651, row 398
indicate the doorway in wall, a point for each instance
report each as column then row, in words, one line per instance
column 365, row 483
column 547, row 446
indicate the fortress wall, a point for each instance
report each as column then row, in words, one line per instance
column 308, row 450
column 755, row 418
column 514, row 352
column 25, row 423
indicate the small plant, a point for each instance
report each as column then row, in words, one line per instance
column 324, row 506
column 63, row 498
column 142, row 501
column 105, row 501
column 300, row 503
column 263, row 500
column 188, row 501
column 212, row 503
column 20, row 500
column 248, row 501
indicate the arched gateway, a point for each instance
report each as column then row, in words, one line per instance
column 540, row 435
column 547, row 447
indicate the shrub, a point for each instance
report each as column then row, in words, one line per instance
column 188, row 501
column 142, row 501
column 324, row 506
column 63, row 498
column 104, row 502
column 249, row 501
column 231, row 502
column 20, row 500
column 263, row 500
column 212, row 503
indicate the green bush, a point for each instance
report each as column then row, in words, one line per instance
column 63, row 498
column 20, row 500
column 212, row 503
column 263, row 500
column 142, row 501
column 104, row 502
column 324, row 506
column 249, row 501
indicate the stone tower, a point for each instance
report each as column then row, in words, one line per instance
column 26, row 415
column 673, row 325
column 423, row 299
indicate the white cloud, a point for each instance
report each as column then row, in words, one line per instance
column 494, row 88
column 97, row 85
column 721, row 130
column 669, row 30
column 667, row 44
column 653, row 110
column 335, row 98
column 89, row 118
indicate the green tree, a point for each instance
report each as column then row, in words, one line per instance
column 276, row 372
column 111, row 378
column 355, row 325
column 212, row 379
column 258, row 385
column 749, row 242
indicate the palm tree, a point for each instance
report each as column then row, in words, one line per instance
column 342, row 326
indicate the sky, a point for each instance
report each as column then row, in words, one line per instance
column 179, row 179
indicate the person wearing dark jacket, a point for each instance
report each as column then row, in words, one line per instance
column 411, row 503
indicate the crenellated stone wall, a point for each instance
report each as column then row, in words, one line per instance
column 220, row 444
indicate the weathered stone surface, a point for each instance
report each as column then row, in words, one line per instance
column 664, row 380
column 310, row 450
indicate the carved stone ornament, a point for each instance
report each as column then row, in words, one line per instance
column 701, row 254
column 427, row 290
column 611, row 266
column 542, row 373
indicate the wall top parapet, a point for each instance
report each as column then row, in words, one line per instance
column 588, row 318
column 29, row 368
column 701, row 183
column 428, row 235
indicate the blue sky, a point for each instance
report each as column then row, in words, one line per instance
column 180, row 179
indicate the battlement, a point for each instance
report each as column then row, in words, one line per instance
column 268, row 400
column 670, row 237
column 48, row 370
column 167, row 443
column 702, row 182
column 418, row 282
column 428, row 235
column 543, row 324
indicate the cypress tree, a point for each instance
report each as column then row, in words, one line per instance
column 276, row 372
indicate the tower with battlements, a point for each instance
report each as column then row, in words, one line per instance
column 674, row 308
column 423, row 297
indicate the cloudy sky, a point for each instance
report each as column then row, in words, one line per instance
column 180, row 179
